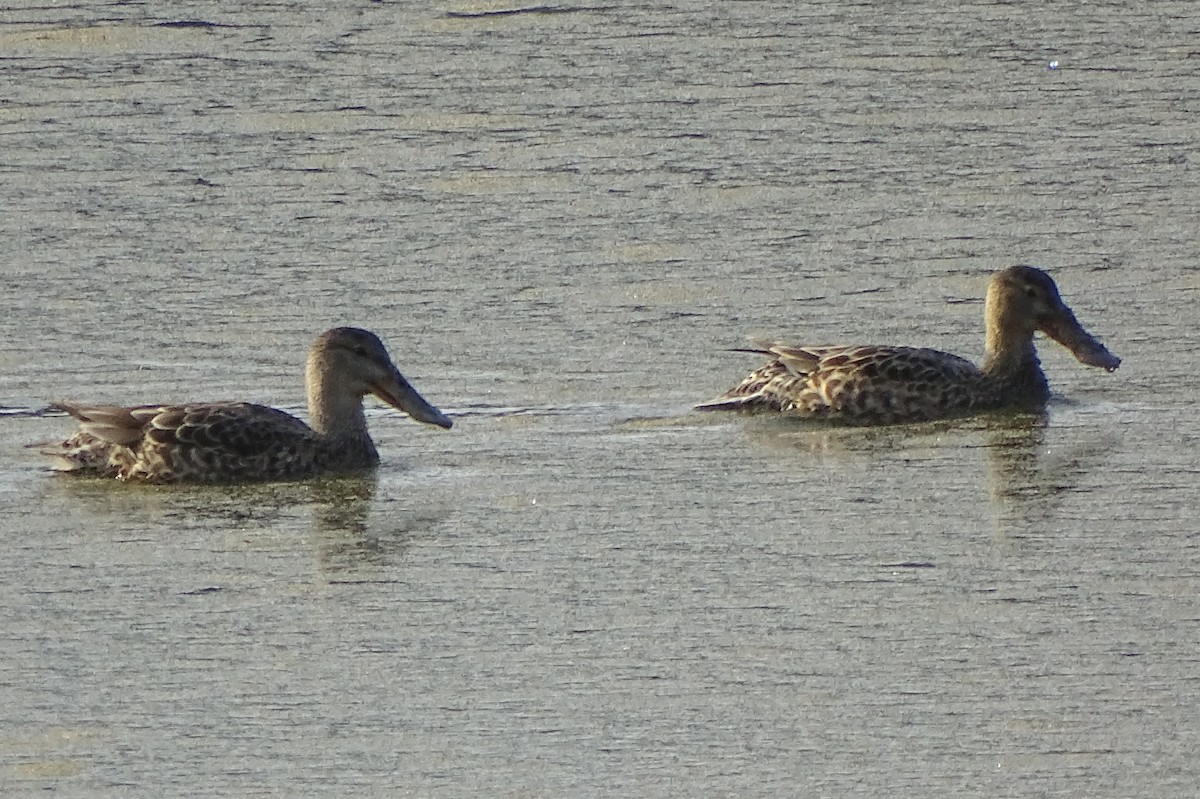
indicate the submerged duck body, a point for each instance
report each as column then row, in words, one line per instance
column 877, row 384
column 221, row 442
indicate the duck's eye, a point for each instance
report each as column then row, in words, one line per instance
column 1031, row 292
column 360, row 351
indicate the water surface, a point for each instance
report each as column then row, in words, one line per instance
column 560, row 221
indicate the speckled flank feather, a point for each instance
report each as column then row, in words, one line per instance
column 240, row 441
column 226, row 441
column 882, row 384
column 885, row 384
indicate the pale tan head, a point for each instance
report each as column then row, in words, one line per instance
column 347, row 363
column 1023, row 299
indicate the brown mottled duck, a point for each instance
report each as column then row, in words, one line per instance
column 884, row 384
column 226, row 442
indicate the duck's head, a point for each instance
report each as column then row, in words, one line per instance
column 1022, row 299
column 354, row 362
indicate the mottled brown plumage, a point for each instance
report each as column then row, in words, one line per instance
column 881, row 384
column 239, row 441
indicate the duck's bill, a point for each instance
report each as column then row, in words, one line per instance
column 399, row 393
column 1067, row 331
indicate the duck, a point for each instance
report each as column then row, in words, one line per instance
column 877, row 384
column 234, row 442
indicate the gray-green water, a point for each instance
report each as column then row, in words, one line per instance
column 559, row 221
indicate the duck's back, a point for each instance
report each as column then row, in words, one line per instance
column 203, row 442
column 868, row 384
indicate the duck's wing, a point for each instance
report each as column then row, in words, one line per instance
column 106, row 437
column 870, row 383
column 163, row 443
column 778, row 384
column 237, row 428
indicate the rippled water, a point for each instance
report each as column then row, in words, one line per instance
column 560, row 220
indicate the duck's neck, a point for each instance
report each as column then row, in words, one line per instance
column 337, row 415
column 1012, row 363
